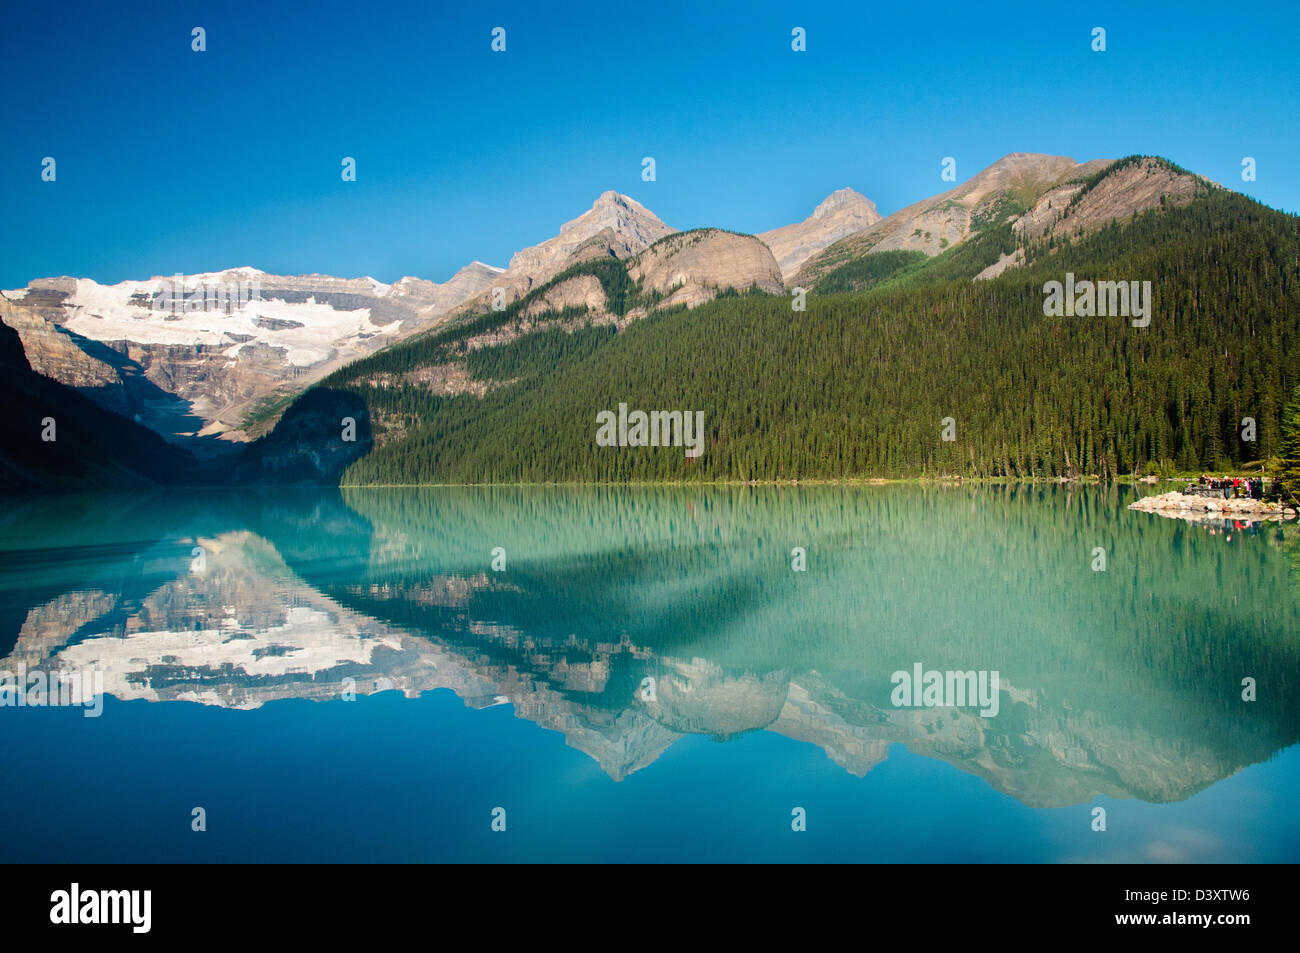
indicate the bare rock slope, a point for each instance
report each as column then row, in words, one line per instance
column 692, row 267
column 842, row 213
column 936, row 223
column 615, row 226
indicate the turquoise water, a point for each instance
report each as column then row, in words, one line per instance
column 641, row 675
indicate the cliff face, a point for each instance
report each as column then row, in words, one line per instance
column 581, row 291
column 615, row 226
column 692, row 267
column 842, row 213
column 52, row 351
column 53, row 438
column 1131, row 189
column 12, row 356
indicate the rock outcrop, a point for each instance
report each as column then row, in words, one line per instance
column 614, row 227
column 1131, row 188
column 581, row 291
column 689, row 268
column 1191, row 506
column 1013, row 182
column 844, row 212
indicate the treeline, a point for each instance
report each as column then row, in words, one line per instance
column 860, row 385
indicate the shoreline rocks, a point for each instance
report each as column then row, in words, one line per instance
column 1187, row 506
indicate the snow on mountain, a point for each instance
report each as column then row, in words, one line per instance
column 308, row 331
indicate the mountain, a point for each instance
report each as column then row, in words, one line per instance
column 394, row 357
column 689, row 268
column 670, row 268
column 52, row 437
column 1116, row 191
column 539, row 333
column 615, row 226
column 457, row 289
column 211, row 360
column 843, row 212
column 931, row 225
column 198, row 357
column 860, row 384
column 1041, row 197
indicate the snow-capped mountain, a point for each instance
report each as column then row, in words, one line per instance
column 200, row 357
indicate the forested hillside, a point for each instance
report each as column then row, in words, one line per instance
column 859, row 384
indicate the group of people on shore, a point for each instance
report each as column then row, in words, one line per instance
column 1230, row 487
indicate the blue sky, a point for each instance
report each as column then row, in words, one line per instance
column 170, row 160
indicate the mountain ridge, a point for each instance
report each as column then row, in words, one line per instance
column 210, row 380
column 844, row 212
column 854, row 386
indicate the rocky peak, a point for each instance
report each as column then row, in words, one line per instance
column 849, row 201
column 627, row 217
column 947, row 219
column 610, row 197
column 614, row 225
column 840, row 214
column 1023, row 175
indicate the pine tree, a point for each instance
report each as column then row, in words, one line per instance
column 1288, row 472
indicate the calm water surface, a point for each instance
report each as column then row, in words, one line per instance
column 344, row 675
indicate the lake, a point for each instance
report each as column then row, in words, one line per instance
column 647, row 674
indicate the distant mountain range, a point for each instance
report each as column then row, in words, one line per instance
column 206, row 377
column 201, row 375
column 211, row 379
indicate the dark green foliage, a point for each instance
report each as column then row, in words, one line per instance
column 996, row 213
column 532, row 355
column 868, row 271
column 1288, row 471
column 319, row 435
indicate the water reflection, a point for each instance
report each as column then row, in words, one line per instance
column 627, row 619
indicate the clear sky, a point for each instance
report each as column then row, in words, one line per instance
column 170, row 160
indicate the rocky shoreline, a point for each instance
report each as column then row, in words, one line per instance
column 1188, row 506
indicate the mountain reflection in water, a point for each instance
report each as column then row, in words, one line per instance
column 1124, row 682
